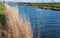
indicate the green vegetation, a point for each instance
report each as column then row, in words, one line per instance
column 1, row 8
column 56, row 5
column 1, row 14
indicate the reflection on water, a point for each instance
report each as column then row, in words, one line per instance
column 45, row 23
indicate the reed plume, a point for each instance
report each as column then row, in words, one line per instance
column 15, row 27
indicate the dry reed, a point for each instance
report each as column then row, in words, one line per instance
column 15, row 27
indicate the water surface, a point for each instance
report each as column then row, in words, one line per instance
column 45, row 23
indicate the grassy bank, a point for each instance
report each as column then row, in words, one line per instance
column 56, row 5
column 1, row 14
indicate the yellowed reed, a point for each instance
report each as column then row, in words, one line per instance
column 16, row 28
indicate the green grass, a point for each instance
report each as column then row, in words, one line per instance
column 1, row 14
column 1, row 8
column 56, row 5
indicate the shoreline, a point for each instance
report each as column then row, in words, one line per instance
column 44, row 7
column 49, row 8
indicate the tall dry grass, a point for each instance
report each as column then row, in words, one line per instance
column 15, row 27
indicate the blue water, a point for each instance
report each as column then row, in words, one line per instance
column 45, row 23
